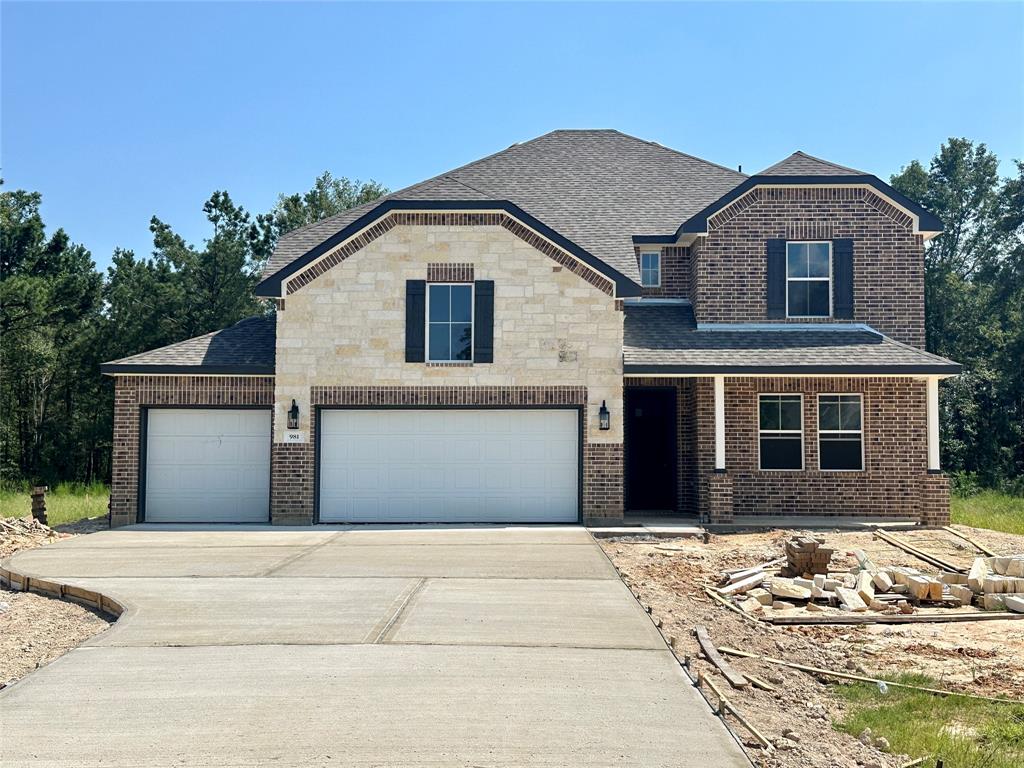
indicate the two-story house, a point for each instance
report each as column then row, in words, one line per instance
column 577, row 328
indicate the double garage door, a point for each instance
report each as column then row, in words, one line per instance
column 375, row 466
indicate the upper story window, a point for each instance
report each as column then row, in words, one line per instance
column 650, row 269
column 781, row 431
column 449, row 322
column 808, row 279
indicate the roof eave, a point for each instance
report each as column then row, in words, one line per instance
column 272, row 286
column 933, row 369
column 113, row 369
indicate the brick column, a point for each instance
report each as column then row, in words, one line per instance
column 719, row 498
column 934, row 499
column 602, row 484
column 124, row 480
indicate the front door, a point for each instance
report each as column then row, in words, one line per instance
column 650, row 449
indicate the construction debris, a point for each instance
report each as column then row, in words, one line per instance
column 736, row 680
column 22, row 533
column 805, row 557
column 898, row 592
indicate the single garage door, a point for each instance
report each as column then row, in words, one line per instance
column 207, row 465
column 438, row 465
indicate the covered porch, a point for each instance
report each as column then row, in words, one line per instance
column 726, row 424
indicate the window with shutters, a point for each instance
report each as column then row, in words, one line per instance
column 449, row 322
column 840, row 432
column 781, row 431
column 808, row 279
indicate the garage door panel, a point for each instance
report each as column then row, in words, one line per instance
column 453, row 465
column 207, row 465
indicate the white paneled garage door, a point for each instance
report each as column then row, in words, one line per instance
column 438, row 465
column 207, row 465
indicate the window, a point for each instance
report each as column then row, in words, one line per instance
column 840, row 432
column 780, row 432
column 449, row 322
column 650, row 269
column 808, row 279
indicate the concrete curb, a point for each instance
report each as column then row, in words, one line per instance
column 20, row 582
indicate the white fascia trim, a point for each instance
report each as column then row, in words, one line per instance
column 284, row 283
column 836, row 327
column 711, row 374
column 652, row 301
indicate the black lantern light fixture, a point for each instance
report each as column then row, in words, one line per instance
column 293, row 416
column 604, row 417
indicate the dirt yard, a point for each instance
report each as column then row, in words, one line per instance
column 35, row 630
column 984, row 657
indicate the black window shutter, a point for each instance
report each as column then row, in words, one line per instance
column 776, row 278
column 483, row 321
column 415, row 320
column 842, row 271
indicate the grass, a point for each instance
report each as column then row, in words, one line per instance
column 990, row 509
column 66, row 503
column 965, row 733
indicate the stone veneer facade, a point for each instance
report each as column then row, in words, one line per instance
column 341, row 340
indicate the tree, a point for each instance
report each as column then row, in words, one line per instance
column 328, row 197
column 973, row 296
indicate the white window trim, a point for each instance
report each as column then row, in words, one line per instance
column 650, row 253
column 472, row 323
column 817, row 417
column 757, row 416
column 831, row 277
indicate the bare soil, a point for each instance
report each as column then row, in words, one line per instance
column 984, row 657
column 35, row 629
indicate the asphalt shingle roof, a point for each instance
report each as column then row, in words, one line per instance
column 802, row 164
column 248, row 346
column 595, row 187
column 666, row 336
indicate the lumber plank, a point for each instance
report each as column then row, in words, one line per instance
column 722, row 601
column 926, row 557
column 736, row 680
column 917, row 618
column 744, row 584
column 861, row 678
column 977, row 545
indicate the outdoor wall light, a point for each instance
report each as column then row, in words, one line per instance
column 293, row 416
column 604, row 417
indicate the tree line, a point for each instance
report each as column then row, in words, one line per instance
column 60, row 317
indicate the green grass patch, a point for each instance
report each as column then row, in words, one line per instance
column 66, row 503
column 965, row 733
column 990, row 509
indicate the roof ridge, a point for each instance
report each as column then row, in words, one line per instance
column 808, row 156
column 674, row 151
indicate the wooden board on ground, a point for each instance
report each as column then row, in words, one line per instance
column 736, row 680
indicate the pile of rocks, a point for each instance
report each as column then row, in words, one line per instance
column 998, row 582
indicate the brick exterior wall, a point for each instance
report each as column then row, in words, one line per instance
column 294, row 479
column 134, row 393
column 675, row 272
column 728, row 265
column 894, row 483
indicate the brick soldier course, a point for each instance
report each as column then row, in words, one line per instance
column 553, row 230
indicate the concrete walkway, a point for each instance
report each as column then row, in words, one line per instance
column 445, row 646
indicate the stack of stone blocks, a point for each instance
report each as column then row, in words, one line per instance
column 806, row 557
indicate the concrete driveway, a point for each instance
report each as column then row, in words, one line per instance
column 446, row 646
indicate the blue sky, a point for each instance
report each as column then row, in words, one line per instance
column 116, row 112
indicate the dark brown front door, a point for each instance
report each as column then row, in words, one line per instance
column 650, row 449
